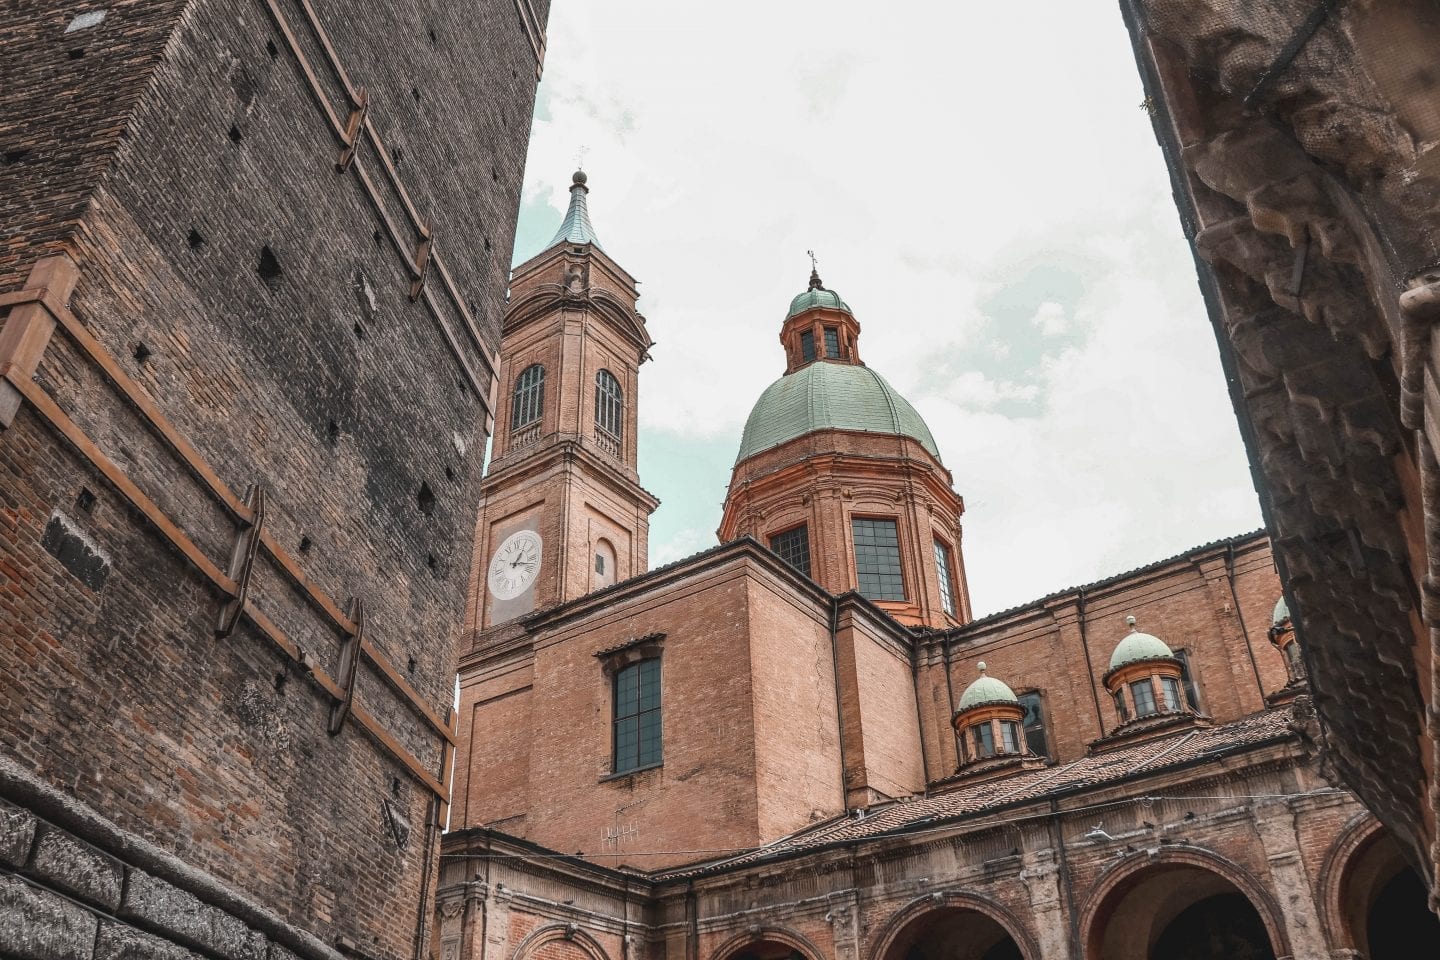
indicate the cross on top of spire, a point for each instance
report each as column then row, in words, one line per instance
column 815, row 283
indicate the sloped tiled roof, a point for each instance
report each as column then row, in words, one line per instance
column 1111, row 767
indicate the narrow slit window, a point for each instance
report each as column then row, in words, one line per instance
column 877, row 559
column 527, row 403
column 793, row 546
column 947, row 582
column 637, row 716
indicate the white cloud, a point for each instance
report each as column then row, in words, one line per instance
column 1051, row 319
column 932, row 170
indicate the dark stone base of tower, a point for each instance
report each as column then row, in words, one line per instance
column 249, row 304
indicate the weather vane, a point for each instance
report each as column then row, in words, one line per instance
column 814, row 264
column 580, row 157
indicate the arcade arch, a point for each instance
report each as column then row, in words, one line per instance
column 1376, row 903
column 768, row 944
column 1181, row 908
column 955, row 927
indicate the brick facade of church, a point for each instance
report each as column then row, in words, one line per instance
column 821, row 783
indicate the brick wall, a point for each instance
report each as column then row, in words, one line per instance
column 254, row 293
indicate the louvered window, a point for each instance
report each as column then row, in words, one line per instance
column 609, row 405
column 527, row 404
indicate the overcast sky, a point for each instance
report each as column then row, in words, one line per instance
column 984, row 190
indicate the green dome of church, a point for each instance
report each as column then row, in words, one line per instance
column 830, row 396
column 817, row 297
column 986, row 690
column 1139, row 646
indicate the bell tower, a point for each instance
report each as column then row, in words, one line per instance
column 562, row 512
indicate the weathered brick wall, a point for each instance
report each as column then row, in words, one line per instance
column 322, row 381
column 64, row 102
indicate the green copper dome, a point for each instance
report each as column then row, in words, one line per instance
column 817, row 297
column 985, row 690
column 1139, row 646
column 830, row 396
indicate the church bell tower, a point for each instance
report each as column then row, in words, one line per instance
column 562, row 512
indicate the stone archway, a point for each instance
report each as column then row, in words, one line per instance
column 1376, row 904
column 770, row 943
column 1181, row 906
column 954, row 927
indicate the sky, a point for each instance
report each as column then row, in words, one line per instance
column 985, row 191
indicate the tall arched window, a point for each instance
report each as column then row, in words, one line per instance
column 527, row 404
column 609, row 405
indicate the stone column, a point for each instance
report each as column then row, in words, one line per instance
column 1041, row 877
column 494, row 933
column 1275, row 823
column 844, row 917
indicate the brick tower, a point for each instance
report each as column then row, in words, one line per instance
column 839, row 475
column 562, row 512
column 251, row 298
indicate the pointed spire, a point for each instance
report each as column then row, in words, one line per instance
column 576, row 228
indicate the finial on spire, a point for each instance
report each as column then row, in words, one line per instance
column 1131, row 622
column 982, row 667
column 815, row 283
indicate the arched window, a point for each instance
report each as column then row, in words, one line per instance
column 609, row 405
column 527, row 404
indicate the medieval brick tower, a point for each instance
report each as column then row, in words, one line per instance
column 562, row 512
column 254, row 255
column 839, row 475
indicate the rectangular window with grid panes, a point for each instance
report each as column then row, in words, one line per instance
column 877, row 558
column 637, row 716
column 793, row 546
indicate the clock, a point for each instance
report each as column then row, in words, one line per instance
column 515, row 564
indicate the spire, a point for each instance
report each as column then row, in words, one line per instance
column 815, row 283
column 576, row 228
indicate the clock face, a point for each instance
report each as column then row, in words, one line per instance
column 515, row 565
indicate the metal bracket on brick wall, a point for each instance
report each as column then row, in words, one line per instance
column 242, row 562
column 534, row 32
column 19, row 378
column 423, row 253
column 349, row 668
column 364, row 128
column 353, row 130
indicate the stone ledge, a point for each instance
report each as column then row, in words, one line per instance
column 120, row 942
column 17, row 831
column 153, row 903
column 36, row 924
column 76, row 867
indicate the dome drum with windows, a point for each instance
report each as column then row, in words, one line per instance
column 840, row 476
column 1145, row 678
column 989, row 721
